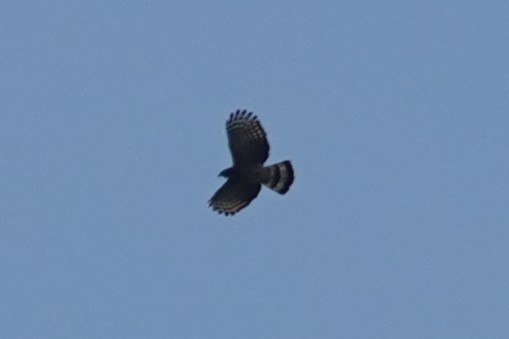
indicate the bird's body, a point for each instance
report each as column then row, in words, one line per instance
column 250, row 149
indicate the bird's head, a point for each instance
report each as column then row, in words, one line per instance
column 226, row 173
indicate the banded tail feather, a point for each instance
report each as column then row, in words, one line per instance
column 279, row 177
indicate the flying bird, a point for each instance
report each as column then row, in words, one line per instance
column 249, row 149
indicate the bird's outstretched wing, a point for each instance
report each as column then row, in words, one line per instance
column 247, row 139
column 233, row 196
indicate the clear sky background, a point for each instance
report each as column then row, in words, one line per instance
column 395, row 115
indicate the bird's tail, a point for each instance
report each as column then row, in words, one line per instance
column 279, row 176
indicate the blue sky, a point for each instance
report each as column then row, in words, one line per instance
column 394, row 114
